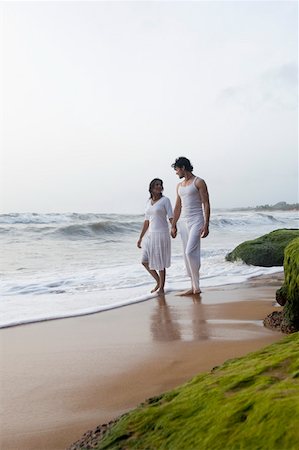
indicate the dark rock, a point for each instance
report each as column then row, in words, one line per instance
column 281, row 296
column 274, row 320
column 91, row 438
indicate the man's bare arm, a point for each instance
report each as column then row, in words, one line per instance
column 176, row 215
column 204, row 195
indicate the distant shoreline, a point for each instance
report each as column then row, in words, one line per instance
column 281, row 206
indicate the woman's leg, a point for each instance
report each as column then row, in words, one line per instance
column 154, row 274
column 162, row 276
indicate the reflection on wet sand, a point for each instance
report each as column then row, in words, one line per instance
column 164, row 323
column 186, row 323
column 193, row 319
column 200, row 329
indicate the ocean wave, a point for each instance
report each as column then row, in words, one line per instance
column 97, row 229
column 245, row 221
column 59, row 218
column 116, row 226
column 218, row 219
column 71, row 229
column 33, row 218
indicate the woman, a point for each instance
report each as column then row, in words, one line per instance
column 156, row 251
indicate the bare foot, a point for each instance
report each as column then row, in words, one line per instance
column 155, row 289
column 160, row 291
column 189, row 292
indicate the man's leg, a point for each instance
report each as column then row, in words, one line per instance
column 192, row 253
column 185, row 234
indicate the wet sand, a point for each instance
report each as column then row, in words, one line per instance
column 63, row 377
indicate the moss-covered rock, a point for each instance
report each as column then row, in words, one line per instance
column 287, row 320
column 248, row 403
column 265, row 251
column 291, row 283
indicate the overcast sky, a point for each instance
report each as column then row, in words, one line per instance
column 99, row 97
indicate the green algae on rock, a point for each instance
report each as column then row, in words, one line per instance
column 265, row 251
column 287, row 320
column 288, row 295
column 247, row 403
column 291, row 271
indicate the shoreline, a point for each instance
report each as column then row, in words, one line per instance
column 61, row 378
column 143, row 298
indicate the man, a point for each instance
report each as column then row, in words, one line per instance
column 193, row 206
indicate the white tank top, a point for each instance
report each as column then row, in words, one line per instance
column 191, row 201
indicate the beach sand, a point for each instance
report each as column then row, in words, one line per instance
column 63, row 377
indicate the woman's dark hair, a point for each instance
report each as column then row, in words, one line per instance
column 151, row 185
column 183, row 162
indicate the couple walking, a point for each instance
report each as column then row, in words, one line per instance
column 193, row 208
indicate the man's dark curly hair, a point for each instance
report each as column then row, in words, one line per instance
column 183, row 162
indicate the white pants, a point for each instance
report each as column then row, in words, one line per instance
column 190, row 231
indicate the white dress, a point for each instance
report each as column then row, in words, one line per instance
column 157, row 248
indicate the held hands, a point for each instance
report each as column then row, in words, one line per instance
column 173, row 231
